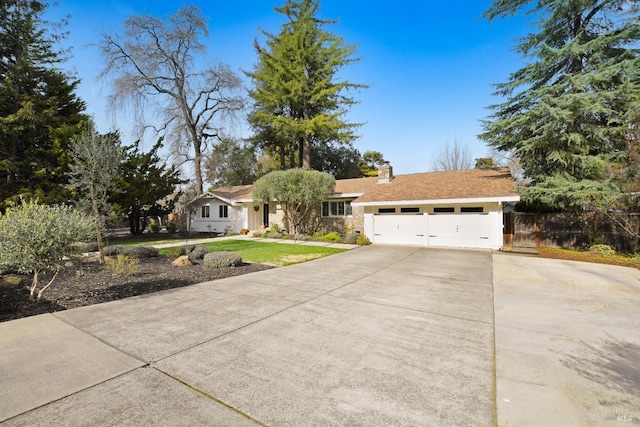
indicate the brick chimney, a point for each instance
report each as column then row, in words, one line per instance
column 385, row 173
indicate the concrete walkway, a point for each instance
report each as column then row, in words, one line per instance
column 377, row 336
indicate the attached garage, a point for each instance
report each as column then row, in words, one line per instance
column 462, row 209
column 400, row 229
column 464, row 230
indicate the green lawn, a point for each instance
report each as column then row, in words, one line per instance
column 279, row 254
column 144, row 239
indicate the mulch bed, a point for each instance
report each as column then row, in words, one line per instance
column 95, row 285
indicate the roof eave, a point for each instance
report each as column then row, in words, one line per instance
column 439, row 201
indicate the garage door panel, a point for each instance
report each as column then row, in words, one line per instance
column 459, row 230
column 400, row 229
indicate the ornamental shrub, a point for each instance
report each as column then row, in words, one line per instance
column 362, row 240
column 122, row 265
column 141, row 251
column 351, row 238
column 602, row 250
column 113, row 250
column 332, row 237
column 171, row 226
column 198, row 253
column 35, row 238
column 222, row 259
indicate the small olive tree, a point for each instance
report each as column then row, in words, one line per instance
column 297, row 191
column 93, row 171
column 36, row 238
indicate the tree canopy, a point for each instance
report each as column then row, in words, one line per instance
column 93, row 171
column 452, row 157
column 298, row 101
column 569, row 114
column 156, row 59
column 35, row 237
column 146, row 186
column 297, row 191
column 39, row 110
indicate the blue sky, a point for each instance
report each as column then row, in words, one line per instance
column 430, row 65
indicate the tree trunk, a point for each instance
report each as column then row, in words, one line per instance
column 101, row 247
column 306, row 153
column 197, row 166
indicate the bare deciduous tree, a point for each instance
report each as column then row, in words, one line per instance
column 452, row 157
column 153, row 64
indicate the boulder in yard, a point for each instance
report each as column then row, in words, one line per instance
column 181, row 261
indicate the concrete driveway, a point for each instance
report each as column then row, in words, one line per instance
column 376, row 336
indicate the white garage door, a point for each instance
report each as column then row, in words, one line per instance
column 400, row 229
column 459, row 230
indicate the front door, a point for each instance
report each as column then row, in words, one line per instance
column 265, row 215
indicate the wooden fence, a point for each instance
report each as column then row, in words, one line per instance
column 575, row 231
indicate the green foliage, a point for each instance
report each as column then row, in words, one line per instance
column 298, row 103
column 136, row 251
column 566, row 194
column 198, row 253
column 332, row 237
column 114, row 250
column 154, row 227
column 171, row 226
column 296, row 190
column 36, row 238
column 342, row 161
column 232, row 163
column 222, row 259
column 39, row 111
column 485, row 163
column 351, row 238
column 602, row 250
column 568, row 113
column 271, row 253
column 362, row 240
column 123, row 265
column 371, row 160
column 141, row 251
column 144, row 181
column 92, row 173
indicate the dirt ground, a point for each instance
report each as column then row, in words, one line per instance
column 94, row 285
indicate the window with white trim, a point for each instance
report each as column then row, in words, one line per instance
column 205, row 211
column 336, row 208
column 223, row 211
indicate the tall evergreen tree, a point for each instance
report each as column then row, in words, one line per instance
column 568, row 113
column 298, row 102
column 146, row 186
column 39, row 111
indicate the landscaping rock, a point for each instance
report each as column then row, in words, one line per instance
column 181, row 261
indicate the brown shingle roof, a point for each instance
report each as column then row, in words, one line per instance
column 354, row 185
column 462, row 184
column 237, row 192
